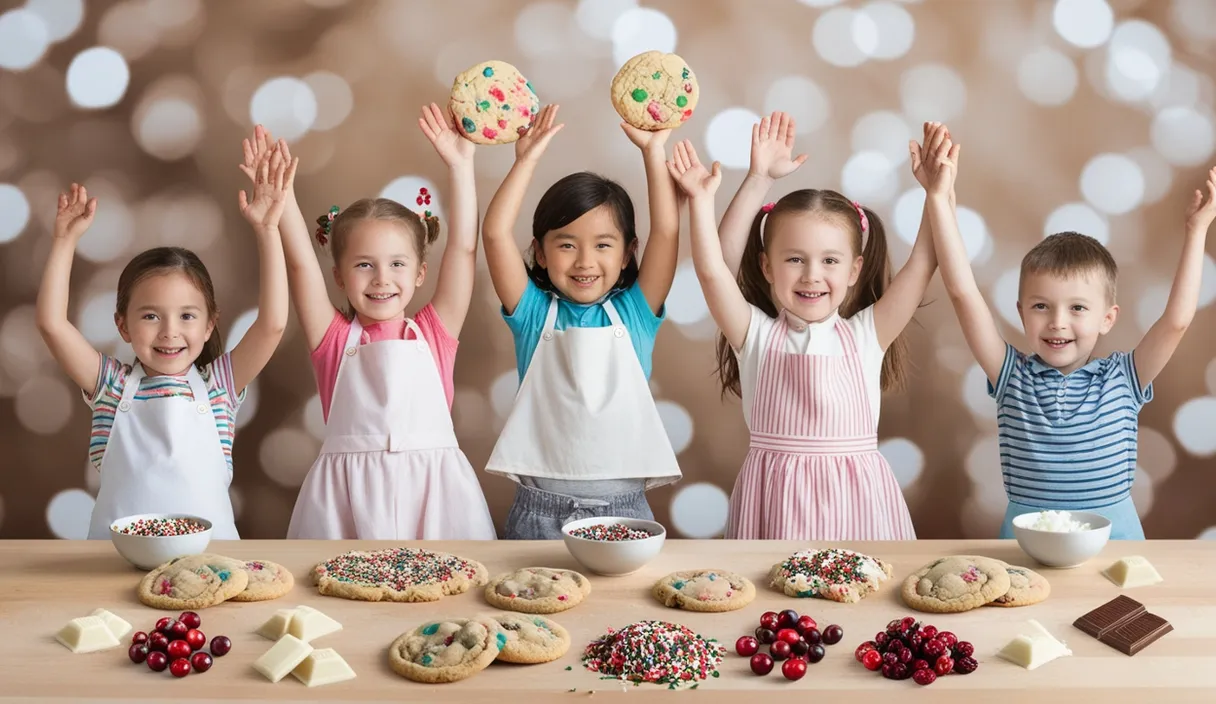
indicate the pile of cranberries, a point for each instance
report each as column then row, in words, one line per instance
column 177, row 644
column 923, row 653
column 789, row 637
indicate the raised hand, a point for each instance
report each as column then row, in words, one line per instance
column 773, row 147
column 935, row 163
column 533, row 142
column 273, row 178
column 75, row 213
column 253, row 149
column 691, row 175
column 440, row 127
column 1202, row 210
column 645, row 139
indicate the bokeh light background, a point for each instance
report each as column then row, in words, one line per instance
column 1095, row 115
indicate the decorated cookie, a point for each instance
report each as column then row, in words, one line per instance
column 838, row 575
column 193, row 582
column 655, row 91
column 704, row 590
column 1026, row 587
column 953, row 584
column 446, row 651
column 531, row 639
column 267, row 580
column 537, row 590
column 492, row 103
column 397, row 574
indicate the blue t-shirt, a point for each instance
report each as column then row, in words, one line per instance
column 528, row 321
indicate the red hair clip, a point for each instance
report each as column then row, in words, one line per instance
column 424, row 197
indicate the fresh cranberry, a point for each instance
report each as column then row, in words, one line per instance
column 901, row 671
column 890, row 658
column 794, row 669
column 789, row 635
column 747, row 646
column 178, row 650
column 895, row 646
column 762, row 663
column 888, row 670
column 862, row 649
column 191, row 619
column 905, row 655
column 804, row 623
column 929, row 632
column 769, row 620
column 963, row 649
column 157, row 661
column 138, row 652
column 178, row 631
column 139, row 637
column 872, row 660
column 833, row 634
column 880, row 639
column 948, row 638
column 812, row 635
column 179, row 667
column 800, row 648
column 163, row 624
column 893, row 625
column 787, row 618
column 924, row 677
column 158, row 642
column 765, row 635
column 780, row 650
column 919, row 664
column 907, row 623
column 915, row 642
column 196, row 639
column 201, row 662
column 965, row 666
column 933, row 649
column 220, row 645
column 816, row 653
column 944, row 665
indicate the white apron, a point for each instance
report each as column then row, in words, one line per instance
column 584, row 411
column 164, row 456
column 390, row 467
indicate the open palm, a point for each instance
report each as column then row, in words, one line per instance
column 773, row 147
column 693, row 178
column 1202, row 210
column 440, row 128
column 75, row 213
column 533, row 142
column 273, row 179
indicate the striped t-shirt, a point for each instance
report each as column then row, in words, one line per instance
column 108, row 393
column 1068, row 442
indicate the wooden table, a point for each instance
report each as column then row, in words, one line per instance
column 43, row 584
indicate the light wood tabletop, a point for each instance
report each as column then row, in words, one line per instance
column 44, row 584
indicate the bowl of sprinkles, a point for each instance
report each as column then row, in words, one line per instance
column 657, row 652
column 613, row 547
column 149, row 540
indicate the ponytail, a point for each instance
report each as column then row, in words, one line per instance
column 757, row 291
column 213, row 348
column 872, row 282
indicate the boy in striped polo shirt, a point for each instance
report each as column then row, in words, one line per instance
column 1067, row 420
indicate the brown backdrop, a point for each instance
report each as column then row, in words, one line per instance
column 1056, row 103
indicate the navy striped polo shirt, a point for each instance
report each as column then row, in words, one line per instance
column 1068, row 442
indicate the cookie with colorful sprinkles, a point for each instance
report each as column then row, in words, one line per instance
column 655, row 91
column 537, row 590
column 397, row 574
column 712, row 591
column 492, row 103
column 446, row 651
column 193, row 582
column 267, row 580
column 956, row 583
column 531, row 639
column 834, row 574
column 654, row 651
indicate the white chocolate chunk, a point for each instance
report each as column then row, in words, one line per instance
column 1133, row 571
column 1030, row 650
column 117, row 626
column 322, row 667
column 308, row 624
column 276, row 626
column 86, row 634
column 283, row 657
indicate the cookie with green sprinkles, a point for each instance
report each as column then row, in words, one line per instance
column 531, row 639
column 492, row 103
column 446, row 651
column 537, row 590
column 711, row 591
column 193, row 582
column 654, row 651
column 655, row 91
column 834, row 574
column 397, row 574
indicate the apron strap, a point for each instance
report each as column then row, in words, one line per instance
column 198, row 388
column 411, row 325
column 613, row 316
column 551, row 315
column 131, row 386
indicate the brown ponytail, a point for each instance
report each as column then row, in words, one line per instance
column 872, row 282
column 757, row 291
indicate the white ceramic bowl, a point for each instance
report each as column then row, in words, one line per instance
column 147, row 552
column 1062, row 550
column 614, row 559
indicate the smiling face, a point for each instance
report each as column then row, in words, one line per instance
column 810, row 262
column 1064, row 315
column 167, row 322
column 584, row 259
column 379, row 269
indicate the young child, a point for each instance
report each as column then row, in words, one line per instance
column 390, row 467
column 584, row 437
column 804, row 332
column 1068, row 421
column 163, row 426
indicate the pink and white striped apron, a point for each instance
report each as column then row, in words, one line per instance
column 813, row 471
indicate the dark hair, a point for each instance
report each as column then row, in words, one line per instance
column 872, row 281
column 424, row 228
column 1070, row 254
column 166, row 260
column 573, row 197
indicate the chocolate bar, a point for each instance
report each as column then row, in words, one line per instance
column 1137, row 634
column 1109, row 616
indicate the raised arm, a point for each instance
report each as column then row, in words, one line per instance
column 772, row 158
column 458, row 270
column 304, row 274
column 273, row 177
column 657, row 269
column 1159, row 343
column 507, row 270
column 726, row 302
column 75, row 355
column 972, row 310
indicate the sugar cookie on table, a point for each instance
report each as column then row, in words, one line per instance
column 704, row 590
column 834, row 574
column 655, row 91
column 193, row 582
column 493, row 103
column 537, row 590
column 1026, row 587
column 531, row 639
column 397, row 574
column 955, row 584
column 446, row 651
column 267, row 580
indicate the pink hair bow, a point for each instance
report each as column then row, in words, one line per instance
column 861, row 213
column 767, row 207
